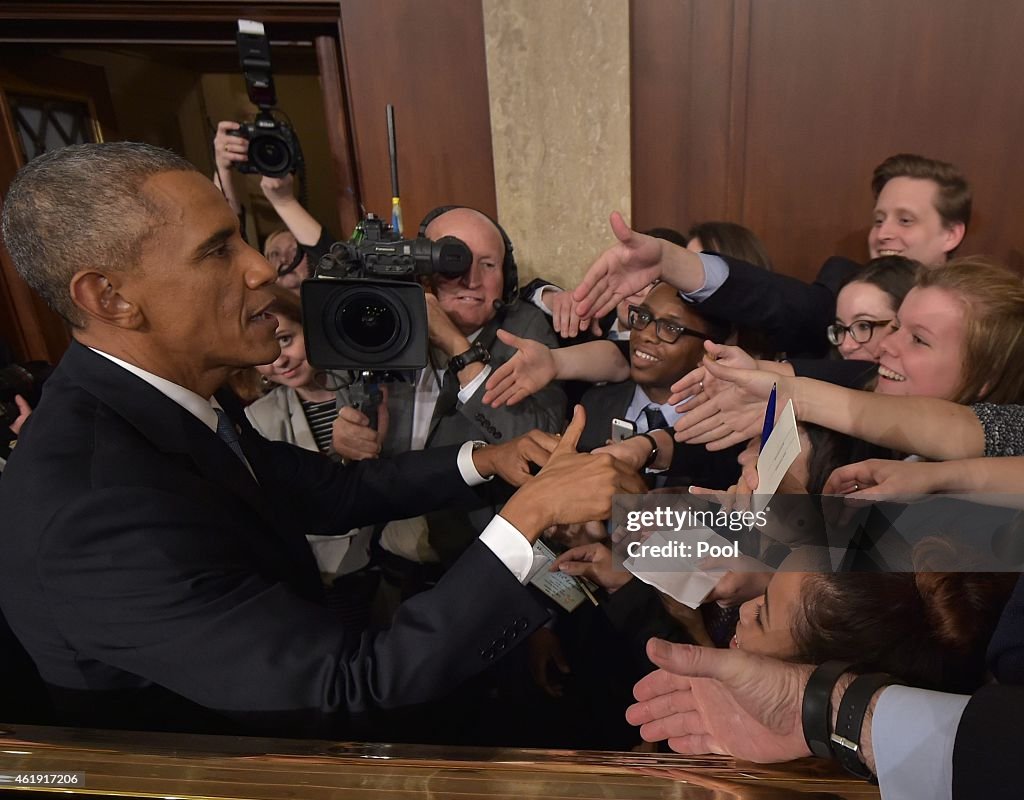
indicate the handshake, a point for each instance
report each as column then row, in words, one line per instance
column 570, row 488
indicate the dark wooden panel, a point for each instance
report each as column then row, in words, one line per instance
column 428, row 60
column 773, row 114
column 339, row 138
column 679, row 146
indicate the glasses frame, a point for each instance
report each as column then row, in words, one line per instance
column 635, row 313
column 836, row 333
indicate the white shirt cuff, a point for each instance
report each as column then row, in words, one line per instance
column 912, row 734
column 510, row 546
column 470, row 388
column 538, row 297
column 467, row 468
column 716, row 271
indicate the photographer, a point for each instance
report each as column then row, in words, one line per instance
column 287, row 250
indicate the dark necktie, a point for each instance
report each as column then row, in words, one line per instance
column 226, row 431
column 655, row 419
column 448, row 397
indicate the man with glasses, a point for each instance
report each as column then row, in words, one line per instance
column 666, row 340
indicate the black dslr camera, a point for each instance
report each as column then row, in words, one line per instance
column 364, row 310
column 274, row 149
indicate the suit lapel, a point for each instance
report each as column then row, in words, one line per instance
column 448, row 400
column 169, row 427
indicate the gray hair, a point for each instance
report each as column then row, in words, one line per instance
column 81, row 206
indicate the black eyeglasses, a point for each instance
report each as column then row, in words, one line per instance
column 860, row 331
column 669, row 332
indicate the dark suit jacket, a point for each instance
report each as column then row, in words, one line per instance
column 692, row 464
column 791, row 313
column 155, row 584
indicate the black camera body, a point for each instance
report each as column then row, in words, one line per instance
column 274, row 149
column 364, row 309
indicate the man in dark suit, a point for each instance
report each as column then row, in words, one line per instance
column 153, row 561
column 922, row 209
column 666, row 342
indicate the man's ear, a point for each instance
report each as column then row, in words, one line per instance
column 97, row 295
column 954, row 235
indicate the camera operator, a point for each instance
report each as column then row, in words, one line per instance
column 464, row 316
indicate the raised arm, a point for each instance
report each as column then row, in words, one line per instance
column 300, row 222
column 228, row 150
column 633, row 262
column 936, row 429
column 535, row 365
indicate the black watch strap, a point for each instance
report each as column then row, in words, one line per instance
column 654, row 449
column 852, row 709
column 476, row 352
column 816, row 712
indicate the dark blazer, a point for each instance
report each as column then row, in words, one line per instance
column 791, row 313
column 156, row 585
column 692, row 464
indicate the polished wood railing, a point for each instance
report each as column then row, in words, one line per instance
column 124, row 764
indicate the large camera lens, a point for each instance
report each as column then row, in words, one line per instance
column 368, row 320
column 270, row 155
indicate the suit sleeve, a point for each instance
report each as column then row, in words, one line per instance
column 164, row 588
column 329, row 496
column 986, row 750
column 544, row 410
column 791, row 313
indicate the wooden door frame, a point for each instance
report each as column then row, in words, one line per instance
column 84, row 22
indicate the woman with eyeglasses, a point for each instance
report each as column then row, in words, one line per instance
column 866, row 306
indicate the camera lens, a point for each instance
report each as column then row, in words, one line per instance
column 270, row 155
column 368, row 321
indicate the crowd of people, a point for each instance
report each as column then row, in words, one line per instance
column 207, row 532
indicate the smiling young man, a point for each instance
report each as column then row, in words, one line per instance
column 666, row 341
column 154, row 563
column 922, row 209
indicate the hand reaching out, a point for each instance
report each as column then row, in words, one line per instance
column 634, row 262
column 729, row 702
column 564, row 318
column 529, row 370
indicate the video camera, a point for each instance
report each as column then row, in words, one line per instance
column 274, row 149
column 364, row 310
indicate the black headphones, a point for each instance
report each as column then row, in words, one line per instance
column 509, row 270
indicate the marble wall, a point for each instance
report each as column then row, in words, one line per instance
column 558, row 78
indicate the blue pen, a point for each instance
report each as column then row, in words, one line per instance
column 769, row 417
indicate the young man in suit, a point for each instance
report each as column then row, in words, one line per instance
column 922, row 209
column 153, row 561
column 666, row 341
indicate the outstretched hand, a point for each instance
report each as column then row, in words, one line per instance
column 736, row 411
column 729, row 702
column 530, row 369
column 564, row 318
column 572, row 487
column 632, row 263
column 595, row 562
column 891, row 480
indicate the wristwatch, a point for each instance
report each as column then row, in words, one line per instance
column 476, row 352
